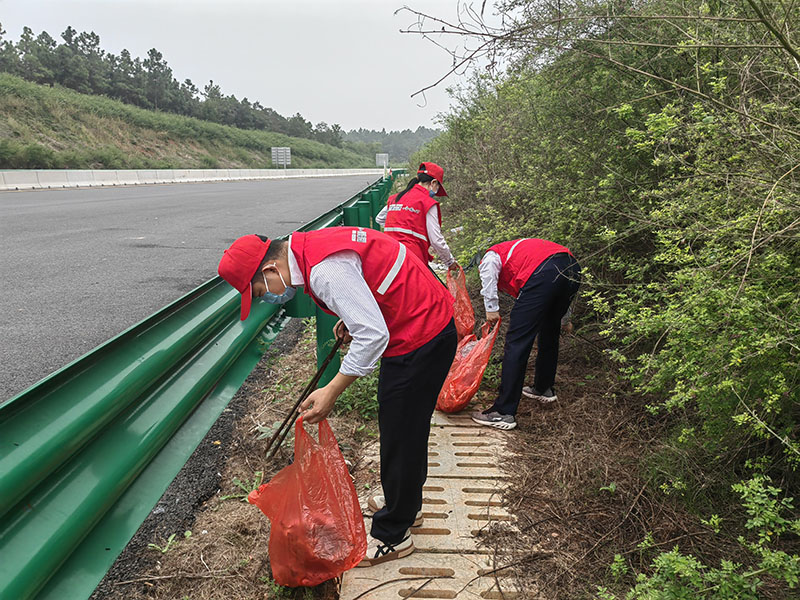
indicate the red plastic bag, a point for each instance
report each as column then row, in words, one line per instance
column 464, row 377
column 464, row 313
column 317, row 527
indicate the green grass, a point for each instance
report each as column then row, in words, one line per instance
column 44, row 127
column 361, row 397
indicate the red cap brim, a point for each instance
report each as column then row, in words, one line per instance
column 441, row 191
column 247, row 300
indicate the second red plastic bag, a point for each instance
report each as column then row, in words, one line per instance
column 317, row 528
column 464, row 314
column 464, row 377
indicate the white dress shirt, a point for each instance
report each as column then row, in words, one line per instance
column 380, row 219
column 434, row 230
column 338, row 281
column 489, row 270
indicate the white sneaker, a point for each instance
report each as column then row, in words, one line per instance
column 379, row 552
column 376, row 503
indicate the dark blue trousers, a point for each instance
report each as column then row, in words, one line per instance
column 408, row 387
column 542, row 301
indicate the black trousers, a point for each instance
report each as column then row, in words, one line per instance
column 408, row 387
column 542, row 301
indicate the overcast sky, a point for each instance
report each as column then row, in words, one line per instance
column 338, row 61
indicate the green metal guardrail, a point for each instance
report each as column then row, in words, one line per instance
column 87, row 452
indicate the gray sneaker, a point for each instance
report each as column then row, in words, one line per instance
column 545, row 397
column 495, row 419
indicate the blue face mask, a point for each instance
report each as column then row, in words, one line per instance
column 431, row 193
column 283, row 298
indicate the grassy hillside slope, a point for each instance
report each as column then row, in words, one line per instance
column 43, row 127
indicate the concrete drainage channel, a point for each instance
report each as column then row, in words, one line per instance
column 463, row 494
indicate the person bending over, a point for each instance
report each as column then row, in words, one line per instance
column 543, row 277
column 393, row 309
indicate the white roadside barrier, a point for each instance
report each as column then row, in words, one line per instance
column 52, row 178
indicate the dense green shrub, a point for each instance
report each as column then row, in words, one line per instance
column 682, row 208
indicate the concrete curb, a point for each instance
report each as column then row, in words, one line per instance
column 53, row 179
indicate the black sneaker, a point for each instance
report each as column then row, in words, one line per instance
column 495, row 419
column 546, row 397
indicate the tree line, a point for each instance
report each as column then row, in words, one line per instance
column 399, row 145
column 79, row 63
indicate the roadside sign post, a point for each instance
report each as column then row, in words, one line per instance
column 281, row 156
column 382, row 160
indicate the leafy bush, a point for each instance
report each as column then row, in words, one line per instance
column 682, row 209
column 676, row 575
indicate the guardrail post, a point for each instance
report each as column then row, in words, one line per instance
column 325, row 341
column 350, row 216
column 300, row 306
column 377, row 201
column 364, row 216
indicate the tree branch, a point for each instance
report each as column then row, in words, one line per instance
column 768, row 24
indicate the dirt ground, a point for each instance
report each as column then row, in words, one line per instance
column 575, row 488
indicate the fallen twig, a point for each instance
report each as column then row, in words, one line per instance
column 216, row 575
column 617, row 526
column 560, row 518
column 539, row 555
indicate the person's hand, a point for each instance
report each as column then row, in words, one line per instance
column 318, row 405
column 567, row 328
column 492, row 317
column 454, row 267
column 340, row 332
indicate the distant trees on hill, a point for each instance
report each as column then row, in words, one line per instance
column 400, row 145
column 81, row 64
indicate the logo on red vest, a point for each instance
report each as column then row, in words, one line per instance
column 396, row 207
column 359, row 235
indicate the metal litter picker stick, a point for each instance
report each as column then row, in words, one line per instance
column 293, row 414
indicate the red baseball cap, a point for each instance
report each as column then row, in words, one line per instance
column 239, row 265
column 434, row 171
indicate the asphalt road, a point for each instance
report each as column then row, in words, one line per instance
column 80, row 266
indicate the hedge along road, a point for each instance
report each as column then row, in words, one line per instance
column 80, row 266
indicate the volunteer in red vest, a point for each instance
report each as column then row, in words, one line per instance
column 414, row 217
column 394, row 309
column 543, row 277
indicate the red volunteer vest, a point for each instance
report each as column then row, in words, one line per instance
column 520, row 259
column 414, row 304
column 406, row 221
